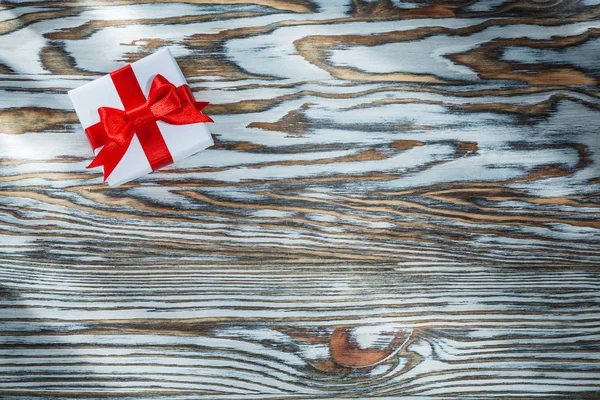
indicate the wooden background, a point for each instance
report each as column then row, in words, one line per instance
column 403, row 200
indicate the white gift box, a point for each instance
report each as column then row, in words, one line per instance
column 182, row 140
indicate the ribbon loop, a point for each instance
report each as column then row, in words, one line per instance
column 116, row 124
column 173, row 105
column 163, row 97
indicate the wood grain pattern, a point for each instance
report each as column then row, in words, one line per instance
column 403, row 201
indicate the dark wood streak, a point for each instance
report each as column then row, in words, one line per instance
column 419, row 220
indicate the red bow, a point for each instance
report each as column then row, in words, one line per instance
column 173, row 105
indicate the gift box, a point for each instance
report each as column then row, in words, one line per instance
column 140, row 118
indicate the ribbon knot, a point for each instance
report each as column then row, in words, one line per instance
column 141, row 115
column 166, row 102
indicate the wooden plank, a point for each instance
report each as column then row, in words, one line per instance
column 402, row 202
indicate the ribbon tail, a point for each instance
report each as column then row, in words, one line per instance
column 188, row 114
column 201, row 117
column 109, row 157
column 199, row 105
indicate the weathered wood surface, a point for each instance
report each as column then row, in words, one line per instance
column 403, row 200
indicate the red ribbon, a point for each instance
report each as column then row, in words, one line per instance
column 173, row 105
